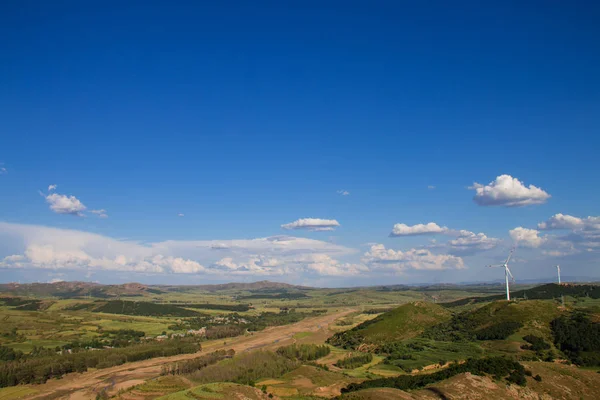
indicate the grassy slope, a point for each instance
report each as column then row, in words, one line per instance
column 307, row 380
column 404, row 322
column 558, row 382
column 218, row 391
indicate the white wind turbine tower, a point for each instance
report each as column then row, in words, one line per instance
column 507, row 272
column 558, row 269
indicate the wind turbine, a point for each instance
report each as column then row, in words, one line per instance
column 558, row 269
column 507, row 272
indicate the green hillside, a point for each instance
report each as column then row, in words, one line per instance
column 404, row 322
column 143, row 308
column 544, row 292
column 497, row 321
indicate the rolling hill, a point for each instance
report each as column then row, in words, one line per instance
column 544, row 292
column 404, row 322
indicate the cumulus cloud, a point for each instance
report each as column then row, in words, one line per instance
column 419, row 259
column 527, row 237
column 252, row 265
column 52, row 187
column 100, row 213
column 509, row 192
column 469, row 243
column 312, row 224
column 63, row 249
column 62, row 204
column 464, row 243
column 343, row 192
column 323, row 264
column 562, row 221
column 419, row 229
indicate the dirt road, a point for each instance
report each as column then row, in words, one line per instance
column 85, row 386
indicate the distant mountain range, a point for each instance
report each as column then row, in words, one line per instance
column 66, row 289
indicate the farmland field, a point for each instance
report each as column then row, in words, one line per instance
column 281, row 341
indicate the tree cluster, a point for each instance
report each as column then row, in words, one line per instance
column 39, row 368
column 578, row 338
column 355, row 361
column 142, row 308
column 246, row 368
column 195, row 364
column 497, row 367
column 499, row 331
column 536, row 343
column 304, row 352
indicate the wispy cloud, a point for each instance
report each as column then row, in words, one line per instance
column 343, row 192
column 312, row 224
column 52, row 187
column 100, row 213
column 63, row 249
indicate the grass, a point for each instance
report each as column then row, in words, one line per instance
column 163, row 384
column 364, row 371
column 216, row 391
column 437, row 353
column 404, row 322
column 304, row 381
column 385, row 370
column 16, row 392
column 302, row 335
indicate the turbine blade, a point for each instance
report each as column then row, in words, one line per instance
column 509, row 273
column 509, row 255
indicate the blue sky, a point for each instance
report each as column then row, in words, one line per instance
column 244, row 116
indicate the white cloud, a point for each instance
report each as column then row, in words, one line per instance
column 431, row 187
column 527, row 237
column 63, row 249
column 464, row 242
column 323, row 264
column 3, row 170
column 562, row 221
column 419, row 259
column 52, row 187
column 180, row 215
column 559, row 253
column 509, row 192
column 419, row 229
column 62, row 204
column 100, row 213
column 343, row 192
column 312, row 224
column 469, row 243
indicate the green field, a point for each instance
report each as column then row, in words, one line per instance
column 407, row 332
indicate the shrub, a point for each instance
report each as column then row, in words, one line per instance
column 304, row 352
column 498, row 367
column 355, row 361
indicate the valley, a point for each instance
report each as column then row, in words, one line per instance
column 267, row 340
